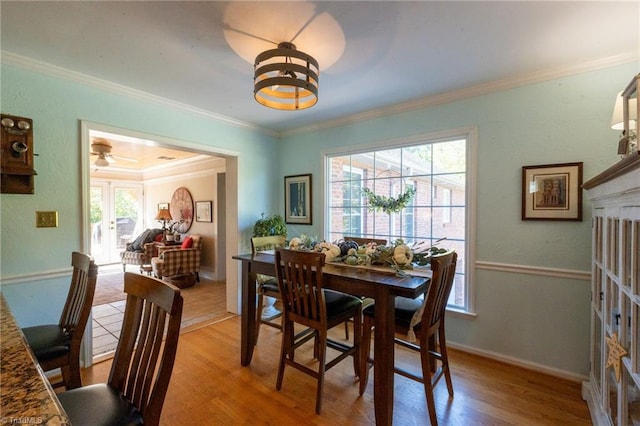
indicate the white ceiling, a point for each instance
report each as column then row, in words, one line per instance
column 394, row 52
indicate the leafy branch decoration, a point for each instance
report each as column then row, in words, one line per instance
column 388, row 204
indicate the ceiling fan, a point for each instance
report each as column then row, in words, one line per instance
column 102, row 148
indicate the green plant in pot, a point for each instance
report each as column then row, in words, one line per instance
column 266, row 226
column 271, row 225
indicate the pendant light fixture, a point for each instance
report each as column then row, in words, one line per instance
column 286, row 78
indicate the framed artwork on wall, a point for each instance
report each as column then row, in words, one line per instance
column 552, row 192
column 181, row 209
column 297, row 199
column 203, row 211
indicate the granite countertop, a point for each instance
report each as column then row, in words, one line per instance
column 26, row 396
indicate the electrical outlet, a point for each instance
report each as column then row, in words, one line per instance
column 47, row 219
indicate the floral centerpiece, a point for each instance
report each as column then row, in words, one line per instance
column 399, row 256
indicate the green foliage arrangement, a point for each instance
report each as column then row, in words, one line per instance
column 270, row 225
column 388, row 204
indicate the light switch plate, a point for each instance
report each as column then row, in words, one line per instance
column 47, row 219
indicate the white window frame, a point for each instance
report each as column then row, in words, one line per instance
column 470, row 134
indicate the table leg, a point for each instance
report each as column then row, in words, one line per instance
column 383, row 356
column 248, row 320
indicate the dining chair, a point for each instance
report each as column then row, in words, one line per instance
column 305, row 302
column 143, row 362
column 361, row 241
column 267, row 285
column 424, row 319
column 58, row 345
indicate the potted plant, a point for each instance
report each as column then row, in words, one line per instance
column 270, row 225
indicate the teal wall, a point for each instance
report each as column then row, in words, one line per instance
column 535, row 319
column 30, row 256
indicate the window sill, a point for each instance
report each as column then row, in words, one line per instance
column 459, row 313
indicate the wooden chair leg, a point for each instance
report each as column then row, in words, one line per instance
column 285, row 349
column 426, row 361
column 346, row 330
column 445, row 359
column 71, row 375
column 365, row 348
column 322, row 355
column 357, row 343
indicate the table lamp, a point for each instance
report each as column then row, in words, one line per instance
column 164, row 216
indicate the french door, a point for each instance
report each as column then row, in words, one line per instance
column 116, row 218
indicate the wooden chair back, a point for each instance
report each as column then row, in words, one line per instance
column 73, row 321
column 435, row 302
column 144, row 360
column 77, row 307
column 363, row 241
column 299, row 276
column 267, row 243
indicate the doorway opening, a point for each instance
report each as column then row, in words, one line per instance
column 119, row 204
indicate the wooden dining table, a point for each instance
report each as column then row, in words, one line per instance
column 26, row 396
column 381, row 285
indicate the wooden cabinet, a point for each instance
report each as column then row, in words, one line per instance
column 615, row 298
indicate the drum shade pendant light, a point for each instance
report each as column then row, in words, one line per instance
column 286, row 78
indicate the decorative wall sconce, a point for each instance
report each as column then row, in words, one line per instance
column 17, row 155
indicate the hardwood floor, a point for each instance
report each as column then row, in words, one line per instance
column 210, row 387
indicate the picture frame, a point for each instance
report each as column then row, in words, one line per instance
column 163, row 206
column 297, row 199
column 204, row 211
column 552, row 192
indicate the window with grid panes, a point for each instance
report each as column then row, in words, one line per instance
column 431, row 168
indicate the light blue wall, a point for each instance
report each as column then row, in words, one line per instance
column 56, row 106
column 532, row 319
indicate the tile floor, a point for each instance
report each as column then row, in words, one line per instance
column 107, row 321
column 202, row 303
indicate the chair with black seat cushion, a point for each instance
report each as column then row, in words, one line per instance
column 58, row 345
column 267, row 286
column 305, row 302
column 423, row 318
column 143, row 362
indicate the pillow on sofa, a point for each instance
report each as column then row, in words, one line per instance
column 158, row 238
column 187, row 243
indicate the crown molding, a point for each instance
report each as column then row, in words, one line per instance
column 511, row 82
column 470, row 92
column 10, row 58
